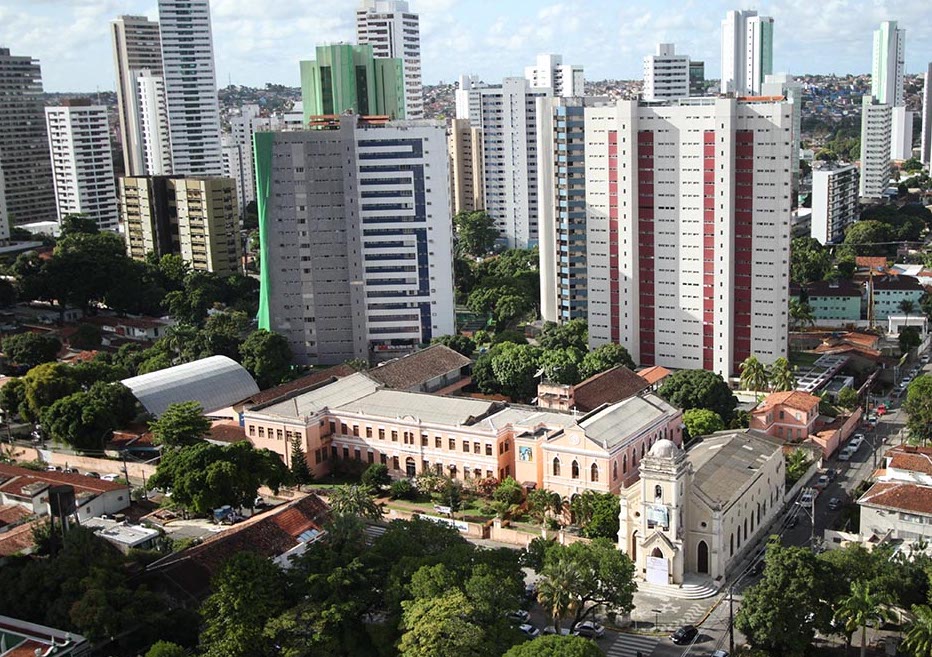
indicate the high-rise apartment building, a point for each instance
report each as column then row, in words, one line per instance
column 136, row 48
column 561, row 149
column 747, row 52
column 357, row 247
column 696, row 78
column 190, row 87
column 151, row 127
column 901, row 133
column 238, row 154
column 876, row 135
column 834, row 201
column 666, row 74
column 687, row 231
column 394, row 33
column 466, row 179
column 194, row 217
column 507, row 118
column 347, row 78
column 783, row 84
column 27, row 194
column 236, row 161
column 926, row 142
column 889, row 64
column 466, row 98
column 549, row 72
column 82, row 163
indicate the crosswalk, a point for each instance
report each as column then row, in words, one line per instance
column 629, row 645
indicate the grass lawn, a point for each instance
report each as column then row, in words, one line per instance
column 471, row 510
column 802, row 359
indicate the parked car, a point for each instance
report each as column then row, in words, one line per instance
column 822, row 482
column 53, row 468
column 719, row 653
column 831, row 474
column 530, row 592
column 807, row 498
column 856, row 442
column 95, row 475
column 589, row 630
column 70, row 471
column 834, row 504
column 519, row 615
column 684, row 634
column 110, row 477
column 528, row 630
column 550, row 629
column 845, row 454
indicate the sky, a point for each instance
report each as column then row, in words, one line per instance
column 259, row 41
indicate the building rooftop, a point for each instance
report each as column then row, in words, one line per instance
column 226, row 431
column 299, row 385
column 121, row 533
column 911, row 498
column 910, row 458
column 607, row 387
column 896, row 283
column 23, row 482
column 23, row 639
column 800, row 401
column 725, row 462
column 332, row 395
column 215, row 382
column 433, row 409
column 871, row 262
column 530, row 418
column 618, row 422
column 654, row 374
column 18, row 540
column 10, row 514
column 268, row 534
column 414, row 370
column 840, row 288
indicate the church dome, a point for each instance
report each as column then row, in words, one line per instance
column 664, row 448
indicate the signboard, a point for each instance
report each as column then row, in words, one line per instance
column 657, row 570
column 658, row 515
column 459, row 524
column 524, row 454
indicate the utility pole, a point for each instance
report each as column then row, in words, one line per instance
column 731, row 620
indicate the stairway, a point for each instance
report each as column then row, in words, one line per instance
column 689, row 590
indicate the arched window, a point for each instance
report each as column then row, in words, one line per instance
column 614, row 470
column 575, row 469
column 594, row 472
column 739, row 536
column 642, row 450
column 758, row 513
column 556, row 466
column 752, row 521
column 745, row 528
column 624, row 464
column 634, row 458
column 731, row 543
column 658, row 492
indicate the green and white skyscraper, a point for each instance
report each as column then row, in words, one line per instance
column 747, row 52
column 345, row 77
column 889, row 64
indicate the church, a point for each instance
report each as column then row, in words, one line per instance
column 695, row 512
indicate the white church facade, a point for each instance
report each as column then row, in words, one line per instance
column 695, row 512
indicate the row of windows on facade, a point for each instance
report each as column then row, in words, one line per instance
column 410, row 464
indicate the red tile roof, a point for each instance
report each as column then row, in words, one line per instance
column 414, row 370
column 800, row 401
column 654, row 374
column 226, row 431
column 269, row 534
column 12, row 513
column 871, row 262
column 911, row 498
column 912, row 459
column 300, row 385
column 17, row 539
column 14, row 479
column 607, row 387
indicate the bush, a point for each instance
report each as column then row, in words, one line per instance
column 402, row 489
column 376, row 477
column 508, row 492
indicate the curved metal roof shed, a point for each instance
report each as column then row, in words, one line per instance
column 215, row 382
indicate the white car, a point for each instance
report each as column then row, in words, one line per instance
column 807, row 498
column 529, row 630
column 519, row 615
column 855, row 443
column 589, row 630
column 845, row 454
column 109, row 477
column 550, row 629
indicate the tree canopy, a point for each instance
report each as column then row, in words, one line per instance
column 30, row 349
column 699, row 389
column 702, row 422
column 181, row 424
column 918, row 407
column 475, row 233
column 267, row 357
column 556, row 646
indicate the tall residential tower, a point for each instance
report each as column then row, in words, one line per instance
column 394, row 33
column 747, row 52
column 190, row 87
column 549, row 72
column 666, row 74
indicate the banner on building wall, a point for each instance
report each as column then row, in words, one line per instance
column 657, row 570
column 658, row 515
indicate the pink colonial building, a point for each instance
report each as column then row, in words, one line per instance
column 358, row 418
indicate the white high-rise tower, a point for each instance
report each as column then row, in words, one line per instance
column 190, row 87
column 889, row 64
column 666, row 74
column 549, row 72
column 82, row 164
column 747, row 52
column 925, row 154
column 136, row 48
column 393, row 31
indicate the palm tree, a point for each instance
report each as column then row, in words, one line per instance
column 862, row 608
column 781, row 375
column 919, row 631
column 907, row 307
column 753, row 374
column 354, row 501
column 554, row 589
column 801, row 313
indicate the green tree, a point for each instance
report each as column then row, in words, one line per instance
column 86, row 336
column 267, row 357
column 508, row 492
column 846, row 266
column 809, row 260
column 909, row 339
column 556, row 646
column 85, row 420
column 907, row 307
column 753, row 374
column 181, row 424
column 376, row 477
column 78, row 223
column 514, row 368
column 300, row 472
column 574, row 333
column 861, row 608
column 781, row 375
column 85, row 267
column 13, row 396
column 204, row 476
column 848, row 398
column 354, row 501
column 541, row 502
column 166, row 649
column 44, row 385
column 459, row 343
column 602, row 515
column 870, row 238
column 801, row 314
column 699, row 389
column 31, row 349
column 475, row 233
column 562, row 365
column 775, row 615
column 440, row 627
column 702, row 422
column 222, row 335
column 797, row 462
column 247, row 592
column 555, row 588
column 7, row 293
column 605, row 357
column 918, row 640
